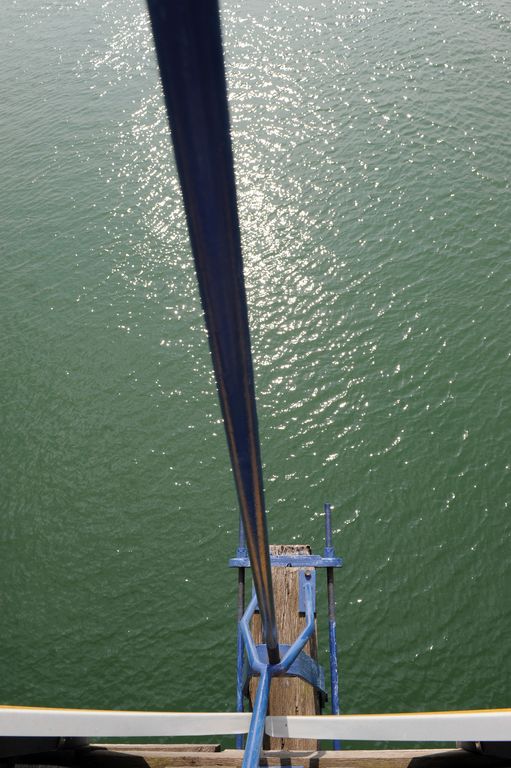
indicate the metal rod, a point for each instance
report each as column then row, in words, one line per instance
column 256, row 732
column 188, row 42
column 328, row 528
column 240, row 654
column 332, row 626
column 242, row 542
column 332, row 638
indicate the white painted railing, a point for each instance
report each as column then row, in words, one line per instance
column 484, row 725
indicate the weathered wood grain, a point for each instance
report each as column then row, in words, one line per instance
column 165, row 756
column 135, row 748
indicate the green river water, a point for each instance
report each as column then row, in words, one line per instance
column 372, row 144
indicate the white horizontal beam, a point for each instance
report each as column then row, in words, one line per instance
column 484, row 725
column 29, row 721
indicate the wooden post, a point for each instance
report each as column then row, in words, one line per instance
column 288, row 695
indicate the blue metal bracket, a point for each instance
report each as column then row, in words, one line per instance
column 290, row 657
column 304, row 667
column 252, row 659
column 306, row 577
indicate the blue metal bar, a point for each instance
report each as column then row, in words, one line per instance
column 189, row 48
column 305, row 578
column 334, row 675
column 250, row 646
column 256, row 732
column 288, row 561
column 332, row 627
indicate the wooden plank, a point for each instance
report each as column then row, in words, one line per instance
column 150, row 748
column 288, row 695
column 137, row 758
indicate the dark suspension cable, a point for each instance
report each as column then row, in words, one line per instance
column 189, row 49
